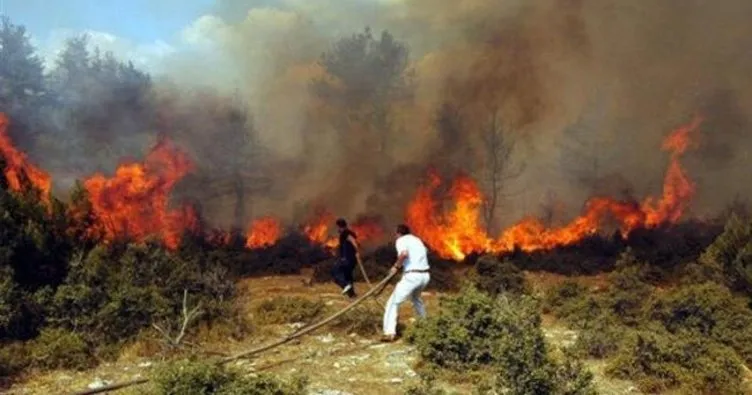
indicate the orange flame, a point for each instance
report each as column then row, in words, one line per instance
column 317, row 229
column 459, row 232
column 18, row 170
column 263, row 232
column 134, row 203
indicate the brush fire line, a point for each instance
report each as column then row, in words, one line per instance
column 132, row 204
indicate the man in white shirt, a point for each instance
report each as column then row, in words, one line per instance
column 412, row 258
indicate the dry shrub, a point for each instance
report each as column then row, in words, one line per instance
column 288, row 310
column 365, row 320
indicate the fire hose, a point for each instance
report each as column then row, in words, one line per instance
column 258, row 350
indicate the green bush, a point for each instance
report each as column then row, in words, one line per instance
column 288, row 309
column 60, row 349
column 601, row 337
column 731, row 253
column 14, row 358
column 707, row 311
column 473, row 330
column 626, row 297
column 658, row 361
column 628, row 291
column 496, row 277
column 572, row 302
column 463, row 334
column 114, row 292
column 203, row 378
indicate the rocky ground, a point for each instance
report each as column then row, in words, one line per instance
column 335, row 362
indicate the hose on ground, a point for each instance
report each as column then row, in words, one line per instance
column 258, row 350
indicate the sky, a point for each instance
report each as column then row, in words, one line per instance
column 141, row 30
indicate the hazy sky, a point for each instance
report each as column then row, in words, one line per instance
column 147, row 31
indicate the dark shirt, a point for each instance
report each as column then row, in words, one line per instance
column 346, row 248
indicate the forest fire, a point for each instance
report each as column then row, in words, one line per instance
column 134, row 203
column 18, row 170
column 458, row 232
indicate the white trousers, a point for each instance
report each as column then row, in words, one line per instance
column 410, row 286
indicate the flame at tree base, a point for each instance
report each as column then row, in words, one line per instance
column 459, row 232
column 18, row 170
column 134, row 203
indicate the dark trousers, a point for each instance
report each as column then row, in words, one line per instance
column 342, row 272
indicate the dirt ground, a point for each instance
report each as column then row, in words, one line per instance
column 334, row 361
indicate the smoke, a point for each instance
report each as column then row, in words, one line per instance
column 615, row 76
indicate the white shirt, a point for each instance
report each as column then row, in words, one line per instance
column 417, row 258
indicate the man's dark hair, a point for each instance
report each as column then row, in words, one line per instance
column 341, row 223
column 403, row 229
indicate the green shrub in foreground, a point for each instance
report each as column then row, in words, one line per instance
column 473, row 330
column 707, row 311
column 203, row 378
column 113, row 293
column 60, row 349
column 659, row 361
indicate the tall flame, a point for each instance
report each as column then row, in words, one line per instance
column 263, row 232
column 134, row 203
column 18, row 170
column 458, row 232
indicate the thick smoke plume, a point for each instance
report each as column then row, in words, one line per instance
column 575, row 96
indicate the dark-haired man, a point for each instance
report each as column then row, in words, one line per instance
column 412, row 258
column 348, row 255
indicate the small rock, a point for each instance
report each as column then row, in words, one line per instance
column 336, row 365
column 410, row 373
column 378, row 346
column 64, row 377
column 395, row 380
column 329, row 303
column 328, row 338
column 98, row 383
column 328, row 392
column 296, row 325
column 144, row 364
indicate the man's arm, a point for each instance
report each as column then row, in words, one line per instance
column 354, row 242
column 400, row 260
